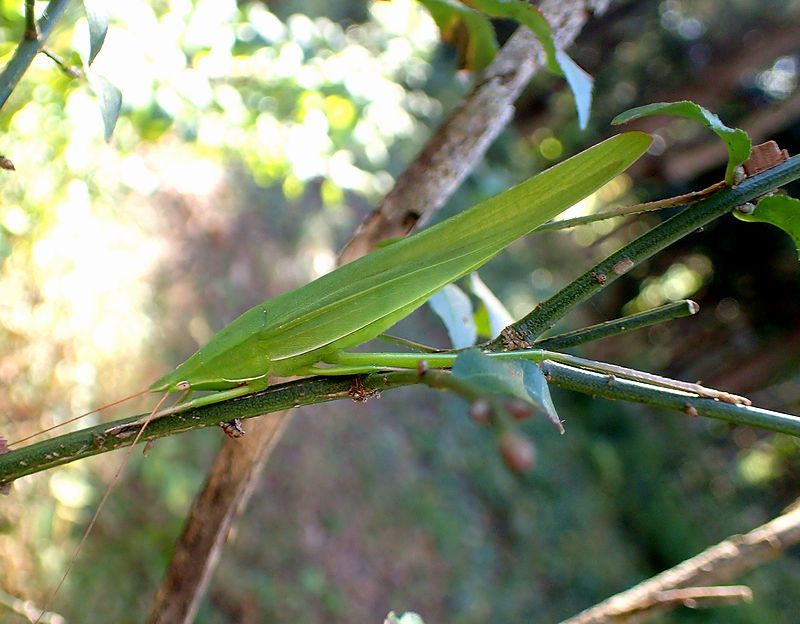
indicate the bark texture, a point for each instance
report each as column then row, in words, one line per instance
column 719, row 564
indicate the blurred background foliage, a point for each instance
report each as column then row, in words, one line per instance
column 253, row 139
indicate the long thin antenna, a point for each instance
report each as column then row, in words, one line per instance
column 78, row 417
column 112, row 484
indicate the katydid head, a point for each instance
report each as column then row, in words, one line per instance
column 164, row 384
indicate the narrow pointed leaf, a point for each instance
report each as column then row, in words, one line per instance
column 581, row 84
column 97, row 17
column 110, row 100
column 781, row 211
column 736, row 140
column 453, row 306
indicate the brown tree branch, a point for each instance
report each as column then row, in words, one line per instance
column 719, row 564
column 224, row 496
column 425, row 185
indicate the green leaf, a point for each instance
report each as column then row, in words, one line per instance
column 492, row 317
column 97, row 17
column 110, row 100
column 469, row 31
column 453, row 306
column 519, row 379
column 779, row 210
column 478, row 46
column 558, row 61
column 736, row 139
column 528, row 15
column 581, row 84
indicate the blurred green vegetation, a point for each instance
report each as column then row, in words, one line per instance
column 253, row 139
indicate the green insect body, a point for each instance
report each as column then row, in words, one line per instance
column 290, row 333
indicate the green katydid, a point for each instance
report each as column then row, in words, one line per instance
column 291, row 333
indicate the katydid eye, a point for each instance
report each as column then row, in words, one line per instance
column 183, row 385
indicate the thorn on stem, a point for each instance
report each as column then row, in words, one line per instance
column 359, row 393
column 690, row 410
column 599, row 277
column 513, row 340
column 232, row 428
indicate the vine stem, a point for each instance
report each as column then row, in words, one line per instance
column 31, row 44
column 96, row 440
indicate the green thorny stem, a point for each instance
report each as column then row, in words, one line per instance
column 523, row 333
column 94, row 440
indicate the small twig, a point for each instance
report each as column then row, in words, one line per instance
column 69, row 70
column 668, row 312
column 697, row 598
column 719, row 564
column 652, row 379
column 619, row 388
column 658, row 204
column 29, row 611
column 31, row 33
